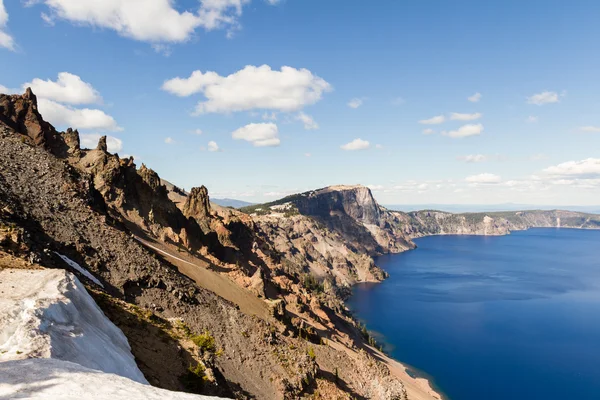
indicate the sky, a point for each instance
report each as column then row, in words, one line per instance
column 424, row 101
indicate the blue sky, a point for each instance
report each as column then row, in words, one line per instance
column 292, row 95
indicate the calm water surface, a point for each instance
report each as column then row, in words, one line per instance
column 512, row 317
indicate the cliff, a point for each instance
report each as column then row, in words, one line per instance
column 429, row 222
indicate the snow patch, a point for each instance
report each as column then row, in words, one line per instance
column 62, row 380
column 79, row 268
column 49, row 314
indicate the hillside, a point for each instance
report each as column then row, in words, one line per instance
column 200, row 285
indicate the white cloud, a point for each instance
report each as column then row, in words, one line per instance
column 197, row 131
column 62, row 115
column 543, row 98
column 68, row 88
column 251, row 88
column 465, row 117
column 428, row 131
column 483, row 179
column 532, row 119
column 152, row 21
column 308, row 121
column 475, row 98
column 379, row 146
column 355, row 103
column 356, row 144
column 90, row 141
column 307, row 155
column 589, row 128
column 260, row 135
column 465, row 131
column 213, row 146
column 434, row 120
column 169, row 140
column 585, row 169
column 473, row 158
column 6, row 40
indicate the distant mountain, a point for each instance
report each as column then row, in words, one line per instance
column 231, row 203
column 466, row 208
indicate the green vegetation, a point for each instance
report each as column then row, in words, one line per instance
column 312, row 284
column 205, row 342
column 311, row 353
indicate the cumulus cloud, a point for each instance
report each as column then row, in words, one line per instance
column 197, row 131
column 85, row 118
column 355, row 103
column 68, row 88
column 251, row 88
column 584, row 169
column 152, row 21
column 308, row 121
column 589, row 128
column 169, row 140
column 473, row 158
column 433, row 120
column 475, row 98
column 356, row 144
column 465, row 131
column 428, row 131
column 260, row 135
column 213, row 146
column 6, row 40
column 56, row 100
column 484, row 179
column 543, row 98
column 465, row 117
column 90, row 141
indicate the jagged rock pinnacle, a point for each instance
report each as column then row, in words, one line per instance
column 102, row 144
column 197, row 204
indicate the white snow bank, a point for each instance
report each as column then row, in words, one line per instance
column 56, row 379
column 79, row 268
column 49, row 314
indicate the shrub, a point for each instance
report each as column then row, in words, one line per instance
column 311, row 353
column 205, row 342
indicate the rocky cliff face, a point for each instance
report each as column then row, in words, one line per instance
column 424, row 223
column 353, row 212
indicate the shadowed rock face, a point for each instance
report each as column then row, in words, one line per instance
column 356, row 202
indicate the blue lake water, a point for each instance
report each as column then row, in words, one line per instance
column 511, row 317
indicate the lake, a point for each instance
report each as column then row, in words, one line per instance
column 509, row 317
